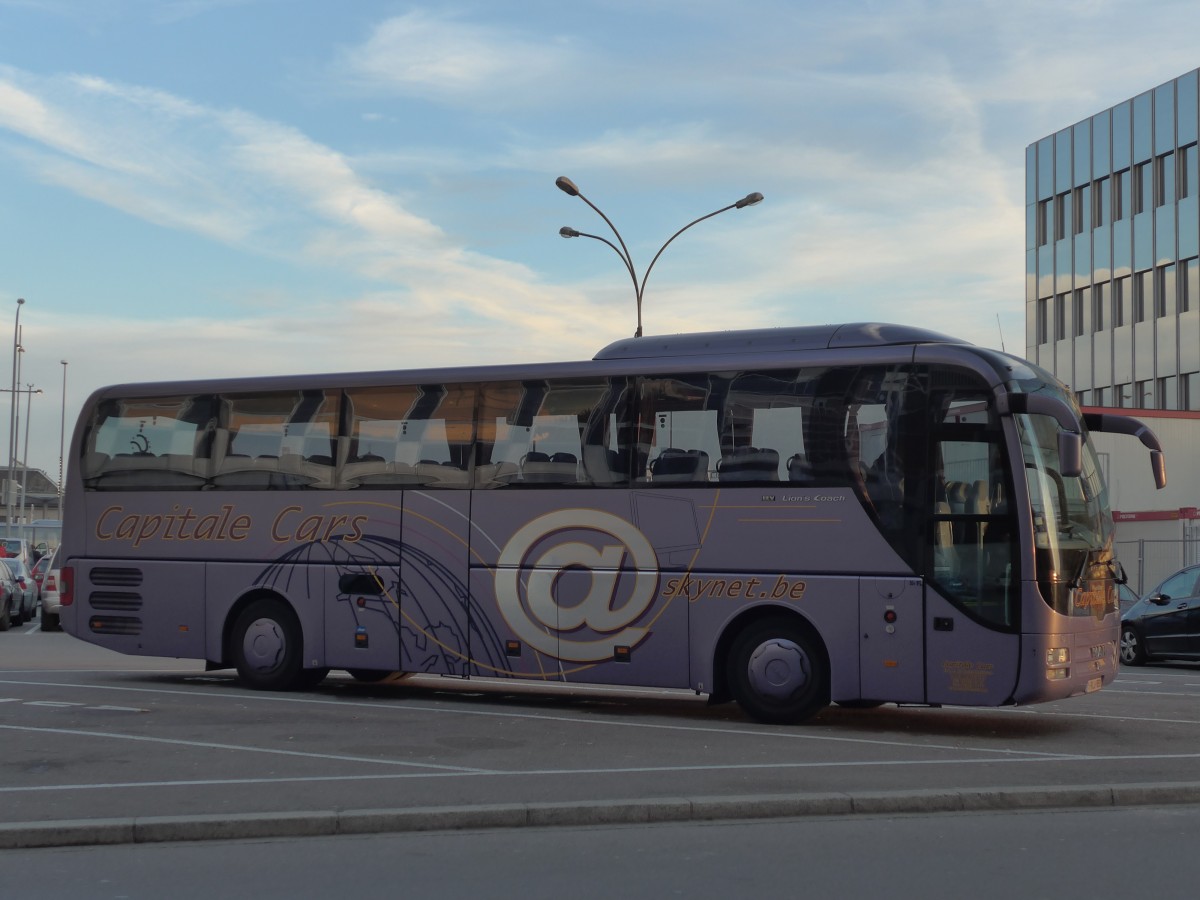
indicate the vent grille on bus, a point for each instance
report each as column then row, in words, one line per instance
column 115, row 625
column 115, row 577
column 116, row 600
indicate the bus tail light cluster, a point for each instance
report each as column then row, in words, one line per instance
column 1058, row 663
column 66, row 594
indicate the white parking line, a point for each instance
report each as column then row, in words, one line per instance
column 574, row 773
column 734, row 730
column 210, row 745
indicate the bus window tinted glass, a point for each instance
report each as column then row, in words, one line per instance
column 550, row 432
column 677, row 429
column 276, row 441
column 156, row 443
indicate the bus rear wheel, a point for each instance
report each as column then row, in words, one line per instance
column 777, row 672
column 267, row 644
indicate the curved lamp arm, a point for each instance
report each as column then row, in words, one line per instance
column 567, row 186
column 568, row 232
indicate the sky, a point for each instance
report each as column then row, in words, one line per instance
column 201, row 188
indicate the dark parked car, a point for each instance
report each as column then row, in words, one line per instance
column 1125, row 596
column 1164, row 624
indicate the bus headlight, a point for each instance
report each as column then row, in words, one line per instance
column 1058, row 656
column 1058, row 663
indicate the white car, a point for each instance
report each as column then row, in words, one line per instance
column 50, row 597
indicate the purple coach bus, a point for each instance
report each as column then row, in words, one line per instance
column 787, row 517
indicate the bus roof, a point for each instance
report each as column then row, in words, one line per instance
column 772, row 340
column 772, row 345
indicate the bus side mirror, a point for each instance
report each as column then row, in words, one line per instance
column 1158, row 462
column 1070, row 454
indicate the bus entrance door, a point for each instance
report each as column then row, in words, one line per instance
column 891, row 625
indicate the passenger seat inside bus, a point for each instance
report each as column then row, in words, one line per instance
column 674, row 465
column 798, row 469
column 542, row 468
column 749, row 464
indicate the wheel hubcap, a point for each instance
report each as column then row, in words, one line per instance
column 1128, row 646
column 779, row 669
column 264, row 644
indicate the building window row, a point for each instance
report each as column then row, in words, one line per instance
column 1158, row 293
column 1167, row 178
column 1170, row 392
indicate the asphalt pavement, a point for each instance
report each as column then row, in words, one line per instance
column 102, row 748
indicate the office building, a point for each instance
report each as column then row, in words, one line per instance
column 1113, row 252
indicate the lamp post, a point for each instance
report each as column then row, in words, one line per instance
column 12, row 426
column 29, row 392
column 567, row 186
column 62, row 433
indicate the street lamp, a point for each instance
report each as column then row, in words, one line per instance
column 62, row 433
column 29, row 392
column 567, row 186
column 12, row 426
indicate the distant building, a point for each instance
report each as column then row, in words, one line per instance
column 40, row 492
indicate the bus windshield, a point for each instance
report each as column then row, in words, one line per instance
column 1072, row 525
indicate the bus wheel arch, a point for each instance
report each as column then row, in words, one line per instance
column 265, row 643
column 775, row 665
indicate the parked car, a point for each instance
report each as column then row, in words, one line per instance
column 9, row 611
column 1164, row 624
column 15, row 547
column 50, row 596
column 26, row 590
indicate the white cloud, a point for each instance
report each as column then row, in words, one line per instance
column 447, row 58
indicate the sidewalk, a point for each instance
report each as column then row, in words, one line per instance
column 321, row 823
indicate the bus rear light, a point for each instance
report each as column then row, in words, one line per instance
column 66, row 596
column 1057, row 674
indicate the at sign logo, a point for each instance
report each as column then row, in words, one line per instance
column 530, row 608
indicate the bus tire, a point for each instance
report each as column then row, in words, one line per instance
column 369, row 676
column 777, row 671
column 267, row 644
column 1133, row 652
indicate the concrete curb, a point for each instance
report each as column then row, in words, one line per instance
column 156, row 829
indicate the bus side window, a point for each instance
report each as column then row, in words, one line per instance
column 275, row 441
column 384, row 443
column 677, row 430
column 147, row 444
column 532, row 434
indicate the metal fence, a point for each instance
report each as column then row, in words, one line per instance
column 1147, row 562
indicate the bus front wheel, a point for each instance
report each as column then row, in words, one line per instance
column 267, row 646
column 777, row 672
